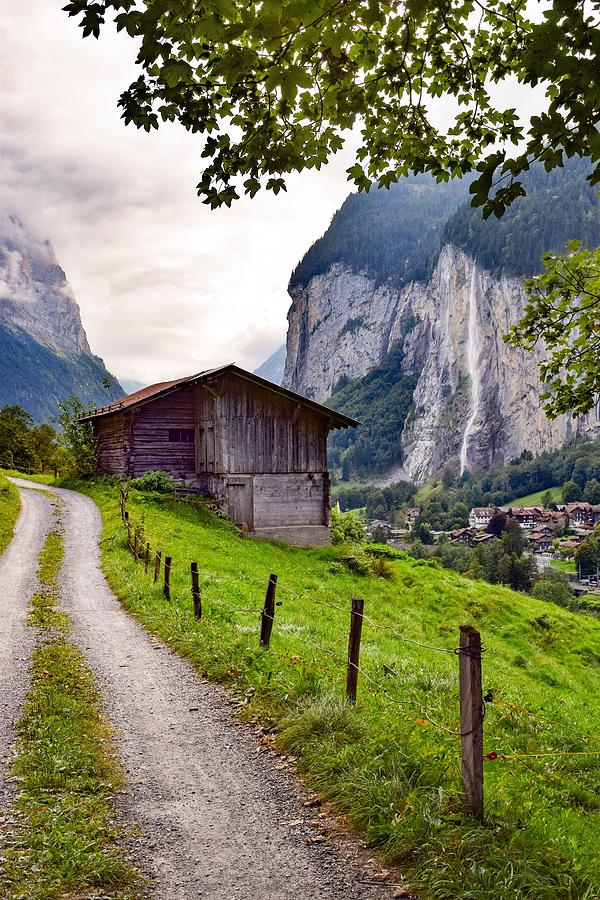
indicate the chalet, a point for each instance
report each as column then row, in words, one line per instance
column 257, row 448
column 541, row 538
column 527, row 516
column 581, row 514
column 556, row 520
column 463, row 536
column 480, row 516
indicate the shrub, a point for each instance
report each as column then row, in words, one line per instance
column 382, row 568
column 358, row 565
column 346, row 528
column 157, row 481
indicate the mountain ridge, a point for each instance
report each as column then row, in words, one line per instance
column 45, row 355
column 476, row 401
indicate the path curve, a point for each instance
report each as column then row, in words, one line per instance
column 217, row 821
column 18, row 581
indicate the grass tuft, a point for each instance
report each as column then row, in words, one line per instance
column 9, row 511
column 64, row 841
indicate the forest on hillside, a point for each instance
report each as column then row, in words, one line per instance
column 447, row 499
column 380, row 401
column 560, row 206
column 396, row 233
column 389, row 233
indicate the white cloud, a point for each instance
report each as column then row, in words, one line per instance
column 165, row 285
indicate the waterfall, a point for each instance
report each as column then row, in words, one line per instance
column 473, row 351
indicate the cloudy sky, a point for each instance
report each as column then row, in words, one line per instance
column 165, row 285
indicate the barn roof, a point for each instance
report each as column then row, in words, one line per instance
column 155, row 391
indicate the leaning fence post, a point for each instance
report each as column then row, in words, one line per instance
column 196, row 595
column 471, row 718
column 157, row 560
column 167, row 581
column 356, row 620
column 268, row 613
column 147, row 558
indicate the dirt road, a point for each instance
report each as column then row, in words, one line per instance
column 217, row 820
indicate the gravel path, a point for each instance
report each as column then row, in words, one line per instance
column 18, row 581
column 217, row 820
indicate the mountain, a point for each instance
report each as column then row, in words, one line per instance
column 44, row 352
column 272, row 368
column 130, row 386
column 401, row 325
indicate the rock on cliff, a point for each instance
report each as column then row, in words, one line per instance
column 476, row 400
column 44, row 351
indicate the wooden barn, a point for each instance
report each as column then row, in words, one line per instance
column 258, row 448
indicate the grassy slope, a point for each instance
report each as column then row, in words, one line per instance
column 64, row 841
column 536, row 498
column 9, row 510
column 389, row 770
column 563, row 565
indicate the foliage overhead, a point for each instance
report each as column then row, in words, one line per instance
column 563, row 315
column 275, row 86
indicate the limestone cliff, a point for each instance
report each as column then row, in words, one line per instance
column 476, row 400
column 44, row 351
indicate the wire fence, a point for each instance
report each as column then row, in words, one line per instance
column 472, row 700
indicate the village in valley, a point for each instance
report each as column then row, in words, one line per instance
column 552, row 534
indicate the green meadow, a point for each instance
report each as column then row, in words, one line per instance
column 536, row 498
column 390, row 764
column 9, row 510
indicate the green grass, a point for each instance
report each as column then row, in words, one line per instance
column 64, row 842
column 38, row 478
column 9, row 510
column 387, row 768
column 535, row 499
column 563, row 565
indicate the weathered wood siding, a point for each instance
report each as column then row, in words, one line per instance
column 262, row 454
column 110, row 435
column 151, row 447
column 289, row 500
column 256, row 431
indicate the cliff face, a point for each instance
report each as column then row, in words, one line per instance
column 45, row 355
column 476, row 401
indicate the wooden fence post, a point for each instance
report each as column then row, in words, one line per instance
column 167, row 582
column 136, row 537
column 356, row 620
column 147, row 558
column 157, row 560
column 128, row 527
column 196, row 595
column 268, row 612
column 471, row 718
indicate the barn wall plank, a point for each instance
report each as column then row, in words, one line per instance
column 289, row 499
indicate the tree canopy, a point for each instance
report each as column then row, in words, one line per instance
column 563, row 313
column 275, row 86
